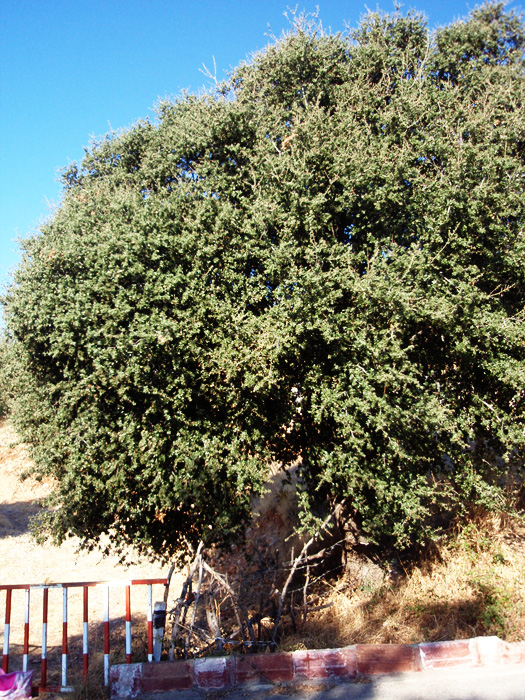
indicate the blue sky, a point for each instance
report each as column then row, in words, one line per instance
column 72, row 70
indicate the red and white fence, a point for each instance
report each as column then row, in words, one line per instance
column 45, row 588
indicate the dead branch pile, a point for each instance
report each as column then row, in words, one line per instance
column 242, row 600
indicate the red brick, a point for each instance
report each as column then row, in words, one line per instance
column 386, row 658
column 486, row 650
column 462, row 652
column 325, row 663
column 260, row 668
column 512, row 652
column 125, row 680
column 167, row 675
column 214, row 672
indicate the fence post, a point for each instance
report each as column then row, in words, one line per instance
column 159, row 622
column 150, row 622
column 25, row 664
column 106, row 635
column 85, row 631
column 64, row 637
column 43, row 666
column 128, row 624
column 5, row 659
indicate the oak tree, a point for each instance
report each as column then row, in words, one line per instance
column 321, row 262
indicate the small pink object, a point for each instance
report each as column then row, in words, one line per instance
column 15, row 686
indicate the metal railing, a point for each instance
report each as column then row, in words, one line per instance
column 46, row 587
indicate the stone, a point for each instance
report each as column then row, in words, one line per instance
column 214, row 672
column 264, row 668
column 125, row 681
column 325, row 663
column 462, row 652
column 386, row 658
column 167, row 675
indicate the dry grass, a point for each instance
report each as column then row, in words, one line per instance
column 471, row 585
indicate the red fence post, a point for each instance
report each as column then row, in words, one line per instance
column 128, row 624
column 5, row 659
column 85, row 629
column 150, row 623
column 26, row 631
column 106, row 635
column 43, row 666
column 64, row 637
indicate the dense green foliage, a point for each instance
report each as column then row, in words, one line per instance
column 5, row 378
column 322, row 259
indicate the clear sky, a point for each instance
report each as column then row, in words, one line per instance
column 73, row 70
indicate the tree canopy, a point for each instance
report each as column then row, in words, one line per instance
column 321, row 261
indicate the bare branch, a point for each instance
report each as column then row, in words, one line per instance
column 292, row 573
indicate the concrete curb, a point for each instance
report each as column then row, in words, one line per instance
column 225, row 672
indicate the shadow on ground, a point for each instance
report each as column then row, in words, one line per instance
column 15, row 517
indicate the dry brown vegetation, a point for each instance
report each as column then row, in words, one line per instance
column 471, row 584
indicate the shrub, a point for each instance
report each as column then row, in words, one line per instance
column 321, row 261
